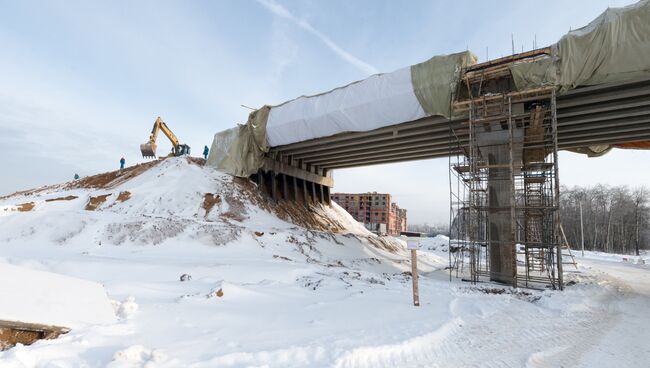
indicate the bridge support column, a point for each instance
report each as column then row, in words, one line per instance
column 273, row 185
column 276, row 178
column 501, row 221
column 326, row 191
column 283, row 186
column 305, row 194
column 313, row 193
column 321, row 197
column 294, row 180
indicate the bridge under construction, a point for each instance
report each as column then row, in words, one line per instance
column 500, row 123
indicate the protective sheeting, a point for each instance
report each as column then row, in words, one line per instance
column 378, row 101
column 381, row 100
column 597, row 151
column 240, row 151
column 435, row 81
column 614, row 47
column 592, row 151
column 540, row 72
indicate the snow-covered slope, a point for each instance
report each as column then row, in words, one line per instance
column 205, row 272
column 173, row 198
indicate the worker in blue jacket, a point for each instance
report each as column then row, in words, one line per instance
column 122, row 162
column 206, row 150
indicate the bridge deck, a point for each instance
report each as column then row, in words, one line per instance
column 599, row 115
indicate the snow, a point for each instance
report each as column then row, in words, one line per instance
column 293, row 296
column 47, row 298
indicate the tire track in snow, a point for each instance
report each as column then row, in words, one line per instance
column 511, row 337
column 407, row 353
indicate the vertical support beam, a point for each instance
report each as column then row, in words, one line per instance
column 261, row 182
column 305, row 193
column 321, row 197
column 513, row 197
column 313, row 192
column 283, row 185
column 295, row 189
column 274, row 185
column 560, row 271
column 328, row 198
column 503, row 150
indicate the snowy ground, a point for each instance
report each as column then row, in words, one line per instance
column 293, row 297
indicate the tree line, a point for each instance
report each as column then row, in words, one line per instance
column 429, row 230
column 615, row 218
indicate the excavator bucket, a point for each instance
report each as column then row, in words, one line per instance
column 148, row 150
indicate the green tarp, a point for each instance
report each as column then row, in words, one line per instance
column 614, row 47
column 435, row 81
column 240, row 151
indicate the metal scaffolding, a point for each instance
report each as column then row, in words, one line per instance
column 504, row 185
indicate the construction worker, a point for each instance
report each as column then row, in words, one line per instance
column 122, row 162
column 206, row 150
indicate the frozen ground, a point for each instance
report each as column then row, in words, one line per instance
column 265, row 292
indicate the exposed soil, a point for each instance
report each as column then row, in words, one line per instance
column 12, row 333
column 95, row 202
column 196, row 160
column 105, row 180
column 112, row 178
column 68, row 198
column 124, row 196
column 209, row 201
column 290, row 211
column 236, row 207
column 282, row 258
column 25, row 207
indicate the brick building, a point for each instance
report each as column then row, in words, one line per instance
column 374, row 210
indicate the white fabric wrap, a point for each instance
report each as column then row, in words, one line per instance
column 378, row 101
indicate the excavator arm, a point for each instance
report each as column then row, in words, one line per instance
column 149, row 149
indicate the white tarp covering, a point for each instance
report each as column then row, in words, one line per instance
column 378, row 101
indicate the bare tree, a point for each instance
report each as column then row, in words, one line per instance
column 616, row 219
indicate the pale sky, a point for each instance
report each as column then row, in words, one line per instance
column 81, row 82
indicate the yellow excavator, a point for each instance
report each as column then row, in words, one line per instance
column 149, row 149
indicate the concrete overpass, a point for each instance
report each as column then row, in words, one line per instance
column 605, row 114
column 502, row 123
column 598, row 115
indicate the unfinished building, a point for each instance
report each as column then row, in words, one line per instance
column 376, row 211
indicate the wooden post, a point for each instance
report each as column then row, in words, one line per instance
column 414, row 274
column 582, row 231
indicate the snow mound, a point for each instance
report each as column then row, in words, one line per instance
column 51, row 299
column 272, row 283
column 151, row 203
column 137, row 356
